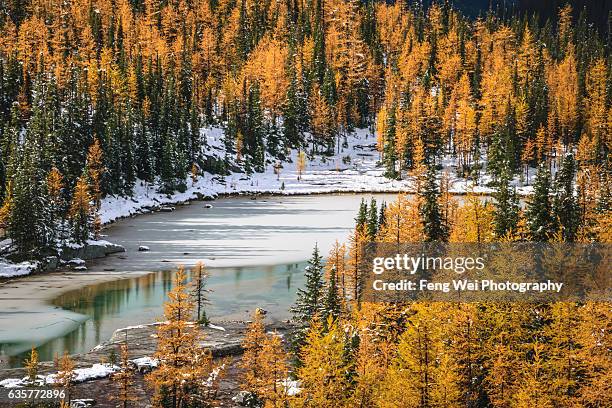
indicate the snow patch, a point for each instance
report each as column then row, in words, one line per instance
column 292, row 387
column 80, row 375
column 85, row 374
column 145, row 363
column 76, row 262
column 10, row 270
column 12, row 383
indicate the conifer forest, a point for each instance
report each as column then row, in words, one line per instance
column 104, row 102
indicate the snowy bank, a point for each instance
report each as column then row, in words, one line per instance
column 11, row 270
column 355, row 168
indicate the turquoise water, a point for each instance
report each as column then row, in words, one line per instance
column 234, row 293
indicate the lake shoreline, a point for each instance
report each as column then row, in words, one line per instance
column 275, row 194
column 223, row 339
column 27, row 302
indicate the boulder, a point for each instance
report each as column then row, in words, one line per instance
column 51, row 263
column 243, row 398
column 75, row 262
column 83, row 403
column 90, row 250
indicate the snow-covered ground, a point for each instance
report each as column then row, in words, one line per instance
column 98, row 371
column 80, row 375
column 11, row 270
column 355, row 168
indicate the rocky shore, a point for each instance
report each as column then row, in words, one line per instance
column 223, row 339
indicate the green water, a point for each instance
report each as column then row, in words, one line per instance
column 234, row 294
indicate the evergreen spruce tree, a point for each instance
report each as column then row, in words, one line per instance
column 433, row 226
column 74, row 129
column 319, row 58
column 496, row 157
column 294, row 113
column 144, row 157
column 372, row 229
column 309, row 300
column 506, row 214
column 540, row 219
column 30, row 223
column 362, row 215
column 389, row 150
column 291, row 131
column 565, row 205
column 255, row 129
column 168, row 164
column 382, row 218
column 332, row 302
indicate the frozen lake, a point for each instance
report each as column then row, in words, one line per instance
column 254, row 249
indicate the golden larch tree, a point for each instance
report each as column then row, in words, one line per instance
column 124, row 380
column 95, row 170
column 274, row 372
column 31, row 365
column 81, row 210
column 65, row 376
column 184, row 366
column 323, row 371
column 252, row 358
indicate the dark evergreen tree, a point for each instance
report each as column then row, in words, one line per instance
column 434, row 227
column 565, row 205
column 389, row 150
column 372, row 229
column 243, row 39
column 506, row 214
column 30, row 221
column 295, row 111
column 254, row 129
column 362, row 215
column 309, row 300
column 196, row 141
column 382, row 218
column 74, row 130
column 168, row 164
column 144, row 157
column 540, row 219
column 332, row 303
column 319, row 59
